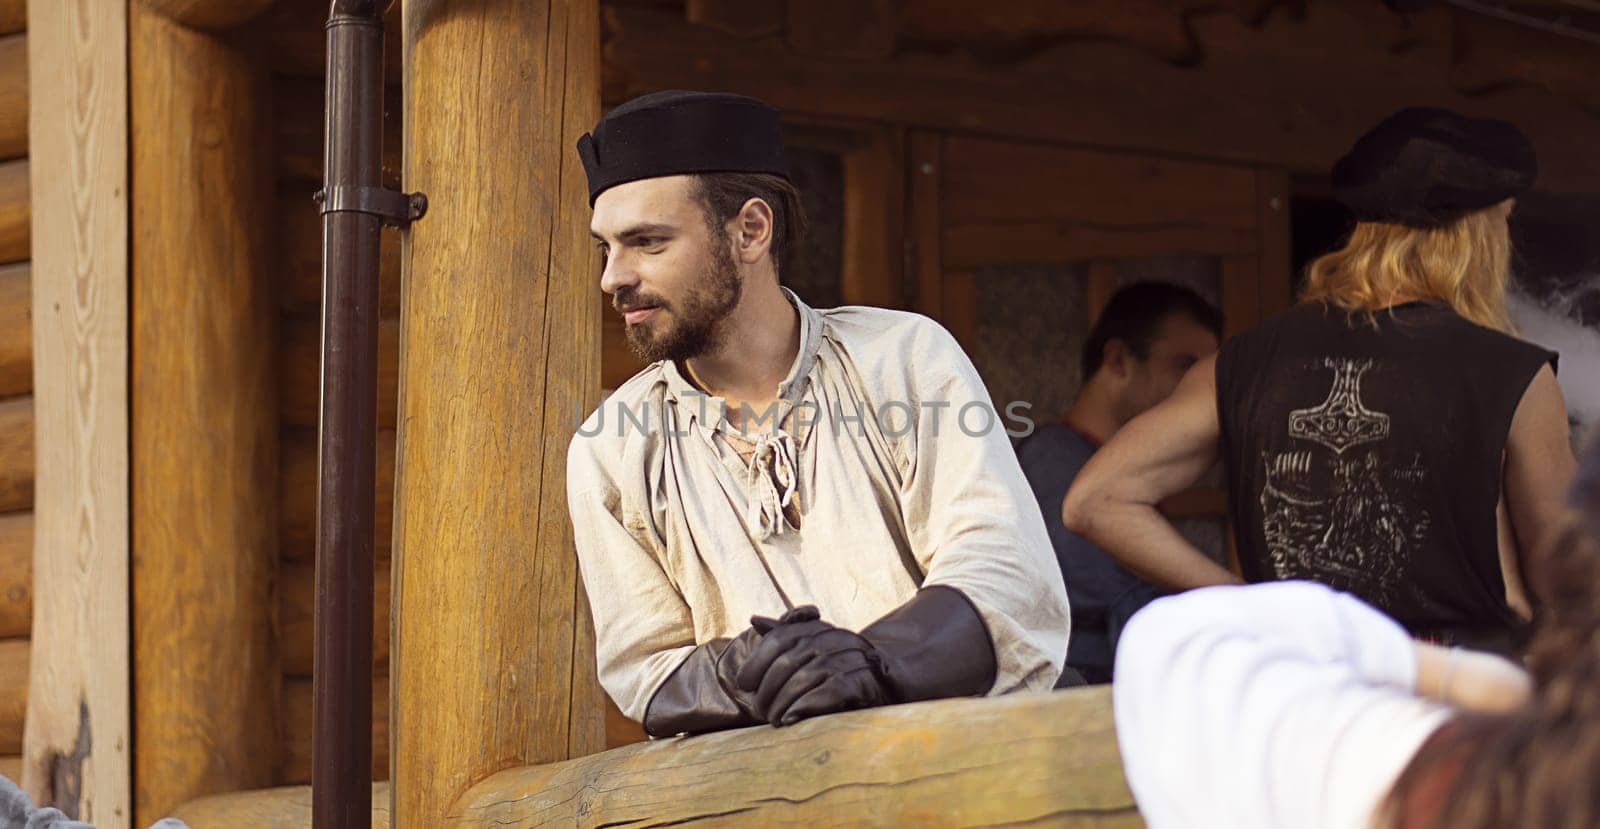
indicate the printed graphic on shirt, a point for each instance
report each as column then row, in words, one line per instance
column 1341, row 507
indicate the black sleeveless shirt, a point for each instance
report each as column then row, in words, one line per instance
column 1369, row 458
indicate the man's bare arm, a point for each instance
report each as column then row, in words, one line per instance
column 1539, row 469
column 1159, row 453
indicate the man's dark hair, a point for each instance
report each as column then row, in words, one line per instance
column 723, row 194
column 1134, row 316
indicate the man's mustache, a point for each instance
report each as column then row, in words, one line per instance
column 631, row 300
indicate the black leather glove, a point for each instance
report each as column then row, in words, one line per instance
column 702, row 695
column 804, row 667
column 934, row 646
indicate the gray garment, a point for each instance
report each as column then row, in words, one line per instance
column 17, row 812
column 680, row 539
column 1103, row 593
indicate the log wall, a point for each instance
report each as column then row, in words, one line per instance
column 16, row 387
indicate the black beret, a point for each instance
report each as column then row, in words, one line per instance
column 1427, row 167
column 675, row 132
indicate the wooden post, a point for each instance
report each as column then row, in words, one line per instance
column 77, row 744
column 499, row 355
column 205, row 425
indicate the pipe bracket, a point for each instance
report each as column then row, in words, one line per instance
column 396, row 209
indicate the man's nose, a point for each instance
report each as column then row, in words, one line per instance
column 616, row 275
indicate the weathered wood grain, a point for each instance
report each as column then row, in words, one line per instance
column 924, row 158
column 13, row 693
column 300, row 370
column 1024, row 760
column 16, row 329
column 298, row 107
column 16, row 454
column 13, row 95
column 1007, row 202
column 297, row 494
column 1199, row 80
column 16, row 574
column 298, row 727
column 1274, row 255
column 208, row 14
column 499, row 351
column 872, row 264
column 15, row 212
column 205, row 426
column 296, row 615
column 287, row 807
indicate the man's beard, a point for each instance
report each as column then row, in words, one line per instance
column 696, row 321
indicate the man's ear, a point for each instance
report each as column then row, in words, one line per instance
column 752, row 231
column 1115, row 357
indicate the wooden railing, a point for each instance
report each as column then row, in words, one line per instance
column 1023, row 760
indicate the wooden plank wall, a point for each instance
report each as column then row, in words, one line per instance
column 16, row 388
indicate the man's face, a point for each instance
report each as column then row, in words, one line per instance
column 1180, row 342
column 669, row 274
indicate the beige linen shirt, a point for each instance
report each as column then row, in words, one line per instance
column 871, row 478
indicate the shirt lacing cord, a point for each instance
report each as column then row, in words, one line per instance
column 771, row 480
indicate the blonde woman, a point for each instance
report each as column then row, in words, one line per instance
column 1389, row 436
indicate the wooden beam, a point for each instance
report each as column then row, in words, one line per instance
column 286, row 807
column 205, row 510
column 621, row 731
column 1020, row 760
column 298, row 728
column 297, row 501
column 298, row 112
column 15, row 213
column 872, row 264
column 842, row 29
column 16, row 454
column 1285, row 90
column 296, row 606
column 960, row 314
column 737, row 17
column 13, row 18
column 1025, row 759
column 208, row 14
column 1241, row 294
column 500, row 351
column 1008, row 202
column 16, row 575
column 300, row 370
column 13, row 96
column 1275, row 256
column 296, row 41
column 13, row 693
column 16, row 330
column 925, row 220
column 11, row 767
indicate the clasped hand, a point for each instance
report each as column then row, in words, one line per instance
column 804, row 667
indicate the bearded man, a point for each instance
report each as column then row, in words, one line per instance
column 790, row 511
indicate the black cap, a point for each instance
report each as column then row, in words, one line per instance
column 675, row 132
column 1427, row 167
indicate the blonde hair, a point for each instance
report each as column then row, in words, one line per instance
column 1465, row 264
